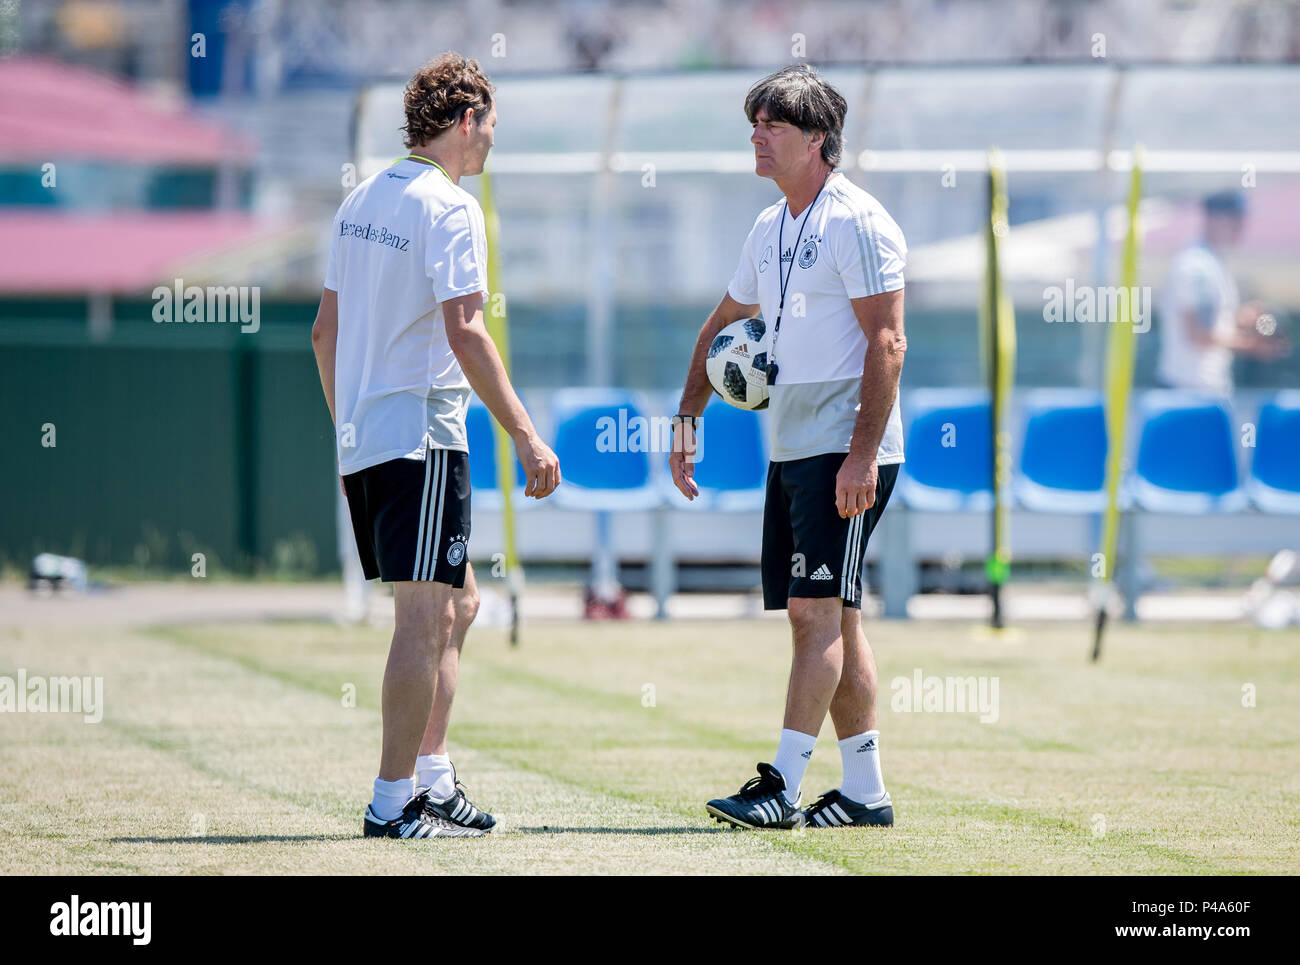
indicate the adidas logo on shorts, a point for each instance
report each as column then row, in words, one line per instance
column 822, row 573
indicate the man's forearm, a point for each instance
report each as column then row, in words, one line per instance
column 695, row 394
column 881, row 370
column 326, row 349
column 482, row 365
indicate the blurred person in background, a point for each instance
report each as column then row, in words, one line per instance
column 1203, row 322
column 400, row 341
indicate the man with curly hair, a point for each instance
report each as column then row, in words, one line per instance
column 400, row 342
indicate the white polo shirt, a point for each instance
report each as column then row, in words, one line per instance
column 850, row 248
column 406, row 240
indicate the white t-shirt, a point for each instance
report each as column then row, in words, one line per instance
column 404, row 241
column 1200, row 285
column 850, row 248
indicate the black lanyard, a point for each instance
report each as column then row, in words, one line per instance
column 784, row 279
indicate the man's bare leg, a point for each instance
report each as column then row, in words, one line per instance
column 424, row 616
column 425, row 621
column 814, row 675
column 818, row 660
column 853, row 711
column 433, row 766
column 465, row 602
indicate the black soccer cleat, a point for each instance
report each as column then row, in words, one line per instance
column 760, row 803
column 458, row 810
column 415, row 821
column 834, row 810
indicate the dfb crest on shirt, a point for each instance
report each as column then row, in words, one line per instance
column 808, row 253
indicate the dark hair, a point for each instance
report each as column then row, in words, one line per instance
column 1225, row 202
column 440, row 93
column 798, row 95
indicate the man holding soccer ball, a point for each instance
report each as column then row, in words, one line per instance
column 400, row 341
column 825, row 266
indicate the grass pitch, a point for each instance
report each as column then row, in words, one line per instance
column 232, row 749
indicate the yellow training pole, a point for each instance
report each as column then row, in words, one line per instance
column 1000, row 344
column 498, row 326
column 1119, row 387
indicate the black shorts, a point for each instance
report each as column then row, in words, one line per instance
column 410, row 517
column 808, row 549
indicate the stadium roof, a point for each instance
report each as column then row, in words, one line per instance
column 1045, row 250
column 119, row 253
column 51, row 111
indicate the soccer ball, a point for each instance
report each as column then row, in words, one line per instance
column 737, row 364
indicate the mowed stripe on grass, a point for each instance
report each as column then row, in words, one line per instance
column 229, row 748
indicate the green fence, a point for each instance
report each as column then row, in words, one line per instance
column 169, row 440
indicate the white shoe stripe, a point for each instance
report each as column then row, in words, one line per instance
column 460, row 806
column 839, row 813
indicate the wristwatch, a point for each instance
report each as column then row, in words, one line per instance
column 683, row 417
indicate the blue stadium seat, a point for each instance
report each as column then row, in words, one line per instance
column 732, row 471
column 949, row 463
column 1186, row 459
column 483, row 461
column 1062, row 466
column 602, row 449
column 1274, row 484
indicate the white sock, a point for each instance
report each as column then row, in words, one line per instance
column 792, row 756
column 434, row 771
column 863, row 782
column 391, row 797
